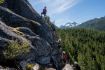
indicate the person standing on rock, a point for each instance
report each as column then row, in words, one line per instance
column 44, row 12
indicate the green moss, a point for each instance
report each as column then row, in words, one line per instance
column 29, row 66
column 15, row 49
column 1, row 1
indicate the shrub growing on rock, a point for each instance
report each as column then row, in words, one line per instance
column 29, row 66
column 1, row 1
column 15, row 49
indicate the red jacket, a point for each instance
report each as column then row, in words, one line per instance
column 65, row 57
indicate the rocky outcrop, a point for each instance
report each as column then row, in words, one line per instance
column 68, row 67
column 20, row 22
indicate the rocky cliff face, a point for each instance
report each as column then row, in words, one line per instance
column 21, row 23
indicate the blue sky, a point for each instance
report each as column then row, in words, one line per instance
column 63, row 11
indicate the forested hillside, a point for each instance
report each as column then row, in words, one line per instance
column 87, row 47
column 97, row 23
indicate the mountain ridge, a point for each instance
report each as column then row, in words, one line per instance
column 96, row 23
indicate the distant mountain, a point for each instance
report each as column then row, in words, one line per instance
column 97, row 23
column 68, row 25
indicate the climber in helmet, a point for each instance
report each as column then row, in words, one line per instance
column 44, row 11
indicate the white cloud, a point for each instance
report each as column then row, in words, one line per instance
column 59, row 6
column 56, row 6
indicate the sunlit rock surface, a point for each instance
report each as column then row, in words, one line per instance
column 20, row 22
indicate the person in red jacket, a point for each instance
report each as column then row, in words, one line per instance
column 65, row 57
column 44, row 12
